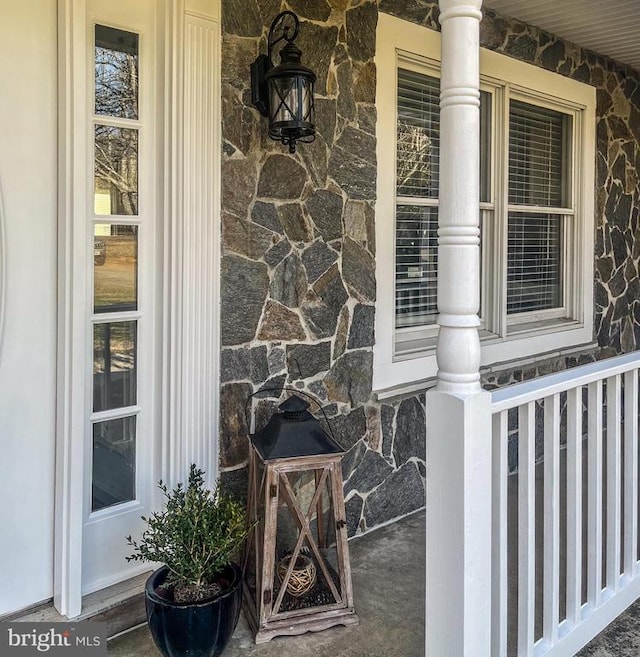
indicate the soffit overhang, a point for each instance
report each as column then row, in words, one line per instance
column 611, row 28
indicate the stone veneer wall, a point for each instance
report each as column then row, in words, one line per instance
column 298, row 278
column 298, row 264
column 616, row 188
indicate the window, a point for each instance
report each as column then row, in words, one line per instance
column 417, row 169
column 538, row 189
column 536, row 208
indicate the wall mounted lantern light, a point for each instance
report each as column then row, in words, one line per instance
column 284, row 92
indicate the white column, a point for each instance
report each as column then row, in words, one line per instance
column 458, row 586
column 458, row 350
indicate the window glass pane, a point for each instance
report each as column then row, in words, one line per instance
column 114, row 463
column 116, row 73
column 416, row 265
column 485, row 146
column 534, row 262
column 116, row 171
column 115, row 272
column 418, row 135
column 537, row 160
column 114, row 365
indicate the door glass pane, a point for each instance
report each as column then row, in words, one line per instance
column 116, row 171
column 115, row 268
column 116, row 73
column 114, row 365
column 114, row 462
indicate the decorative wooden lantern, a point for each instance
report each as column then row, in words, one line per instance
column 297, row 572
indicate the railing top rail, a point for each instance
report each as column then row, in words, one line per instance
column 550, row 384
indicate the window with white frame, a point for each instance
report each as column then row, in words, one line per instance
column 536, row 208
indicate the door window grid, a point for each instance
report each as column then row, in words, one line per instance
column 116, row 128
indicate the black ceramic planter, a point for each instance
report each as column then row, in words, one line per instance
column 193, row 630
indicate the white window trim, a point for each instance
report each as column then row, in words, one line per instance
column 400, row 40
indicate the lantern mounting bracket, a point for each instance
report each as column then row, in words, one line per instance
column 281, row 20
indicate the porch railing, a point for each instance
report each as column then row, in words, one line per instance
column 566, row 446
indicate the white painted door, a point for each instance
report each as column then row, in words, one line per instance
column 28, row 239
column 120, row 465
column 138, row 310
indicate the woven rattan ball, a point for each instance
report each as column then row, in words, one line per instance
column 303, row 575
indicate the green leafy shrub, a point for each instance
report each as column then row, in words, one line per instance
column 196, row 536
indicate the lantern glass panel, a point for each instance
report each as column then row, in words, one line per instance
column 307, row 101
column 284, row 99
column 291, row 103
column 306, row 530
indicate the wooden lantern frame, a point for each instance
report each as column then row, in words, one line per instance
column 262, row 605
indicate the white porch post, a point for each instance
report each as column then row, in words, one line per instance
column 458, row 610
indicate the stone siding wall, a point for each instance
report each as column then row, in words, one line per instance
column 298, row 266
column 298, row 261
column 616, row 188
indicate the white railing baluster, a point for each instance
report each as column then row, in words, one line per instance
column 611, row 545
column 574, row 505
column 526, row 528
column 551, row 569
column 594, row 495
column 630, row 472
column 614, row 482
column 499, row 544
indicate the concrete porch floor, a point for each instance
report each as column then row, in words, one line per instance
column 388, row 572
column 388, row 580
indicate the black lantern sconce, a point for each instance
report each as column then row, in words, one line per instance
column 284, row 92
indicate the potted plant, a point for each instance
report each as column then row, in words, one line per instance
column 193, row 601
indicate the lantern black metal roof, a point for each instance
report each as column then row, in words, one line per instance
column 293, row 432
